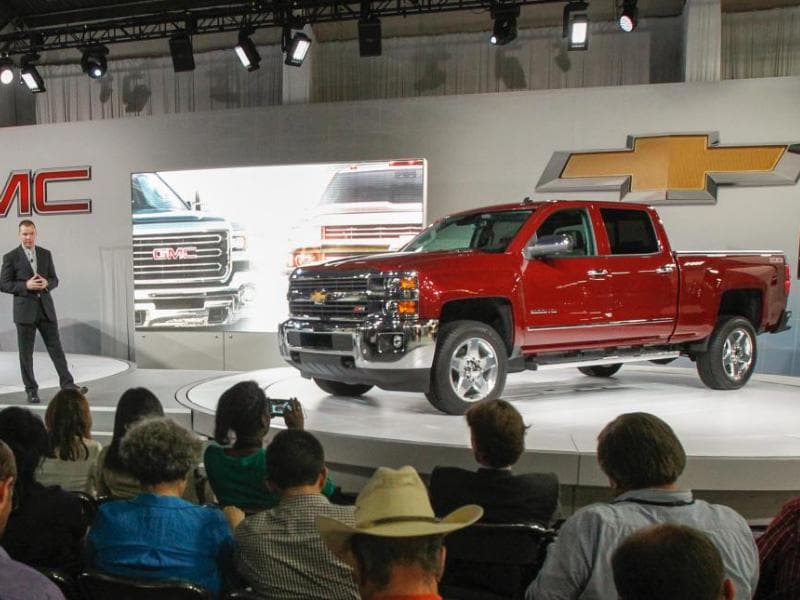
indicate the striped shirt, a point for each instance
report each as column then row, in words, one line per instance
column 779, row 550
column 281, row 555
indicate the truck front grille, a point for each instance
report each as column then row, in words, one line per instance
column 338, row 298
column 365, row 232
column 176, row 258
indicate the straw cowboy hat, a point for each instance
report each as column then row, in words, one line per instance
column 394, row 503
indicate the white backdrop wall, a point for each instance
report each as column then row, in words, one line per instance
column 481, row 149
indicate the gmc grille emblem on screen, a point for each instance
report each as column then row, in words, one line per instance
column 184, row 253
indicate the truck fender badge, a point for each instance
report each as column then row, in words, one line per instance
column 676, row 168
column 180, row 253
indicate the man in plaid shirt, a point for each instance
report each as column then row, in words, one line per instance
column 279, row 551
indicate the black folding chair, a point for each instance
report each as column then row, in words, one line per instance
column 488, row 561
column 100, row 586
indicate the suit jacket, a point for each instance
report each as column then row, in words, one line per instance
column 16, row 270
column 505, row 497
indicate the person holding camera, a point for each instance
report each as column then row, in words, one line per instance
column 236, row 461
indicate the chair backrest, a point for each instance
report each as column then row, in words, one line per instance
column 88, row 506
column 496, row 559
column 100, row 586
column 65, row 583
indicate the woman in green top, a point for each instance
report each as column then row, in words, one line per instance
column 235, row 462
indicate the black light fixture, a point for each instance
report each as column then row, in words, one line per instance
column 30, row 75
column 576, row 25
column 296, row 46
column 505, row 24
column 93, row 61
column 6, row 70
column 246, row 51
column 369, row 35
column 180, row 47
column 628, row 16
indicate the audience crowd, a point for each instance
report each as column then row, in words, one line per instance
column 273, row 522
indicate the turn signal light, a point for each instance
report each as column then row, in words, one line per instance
column 408, row 283
column 787, row 281
column 407, row 307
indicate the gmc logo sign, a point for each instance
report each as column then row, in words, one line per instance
column 182, row 253
column 30, row 191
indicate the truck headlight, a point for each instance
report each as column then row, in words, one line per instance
column 239, row 241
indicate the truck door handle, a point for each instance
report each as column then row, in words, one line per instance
column 668, row 268
column 597, row 273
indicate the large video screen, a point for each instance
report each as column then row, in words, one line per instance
column 213, row 248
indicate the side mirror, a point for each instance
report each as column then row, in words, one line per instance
column 559, row 243
column 197, row 204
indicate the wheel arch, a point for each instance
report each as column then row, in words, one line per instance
column 496, row 312
column 747, row 303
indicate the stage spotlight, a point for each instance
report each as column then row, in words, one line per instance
column 180, row 47
column 247, row 52
column 369, row 36
column 628, row 16
column 93, row 61
column 576, row 25
column 296, row 49
column 505, row 25
column 6, row 70
column 30, row 75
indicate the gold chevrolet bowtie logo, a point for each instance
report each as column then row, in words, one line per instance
column 686, row 167
column 318, row 296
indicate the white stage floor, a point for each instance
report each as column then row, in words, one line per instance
column 748, row 439
column 84, row 368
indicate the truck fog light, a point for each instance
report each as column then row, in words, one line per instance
column 397, row 341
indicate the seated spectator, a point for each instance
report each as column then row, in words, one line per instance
column 642, row 458
column 17, row 580
column 73, row 452
column 670, row 562
column 497, row 434
column 47, row 525
column 779, row 551
column 396, row 544
column 110, row 476
column 279, row 552
column 159, row 535
column 236, row 465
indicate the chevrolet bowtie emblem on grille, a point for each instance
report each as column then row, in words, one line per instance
column 677, row 167
column 318, row 296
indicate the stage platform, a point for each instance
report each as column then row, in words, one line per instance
column 745, row 442
column 743, row 446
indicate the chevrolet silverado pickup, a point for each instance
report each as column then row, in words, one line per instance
column 532, row 285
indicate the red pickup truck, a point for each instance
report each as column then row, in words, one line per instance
column 532, row 285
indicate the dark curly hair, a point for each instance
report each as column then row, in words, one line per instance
column 134, row 404
column 242, row 409
column 26, row 435
column 159, row 451
column 68, row 423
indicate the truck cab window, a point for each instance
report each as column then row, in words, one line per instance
column 574, row 223
column 629, row 231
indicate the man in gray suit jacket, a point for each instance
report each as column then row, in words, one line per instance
column 28, row 273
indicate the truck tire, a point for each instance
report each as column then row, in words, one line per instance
column 337, row 388
column 470, row 366
column 600, row 370
column 731, row 356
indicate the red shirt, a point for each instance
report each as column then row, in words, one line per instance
column 779, row 551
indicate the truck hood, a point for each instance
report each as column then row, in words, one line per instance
column 187, row 216
column 427, row 262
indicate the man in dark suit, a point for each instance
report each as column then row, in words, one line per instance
column 498, row 440
column 28, row 273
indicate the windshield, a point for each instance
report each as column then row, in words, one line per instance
column 150, row 193
column 386, row 185
column 490, row 232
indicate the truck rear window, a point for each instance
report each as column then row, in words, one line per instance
column 388, row 185
column 490, row 232
column 629, row 231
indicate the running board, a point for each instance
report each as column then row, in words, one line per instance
column 562, row 362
